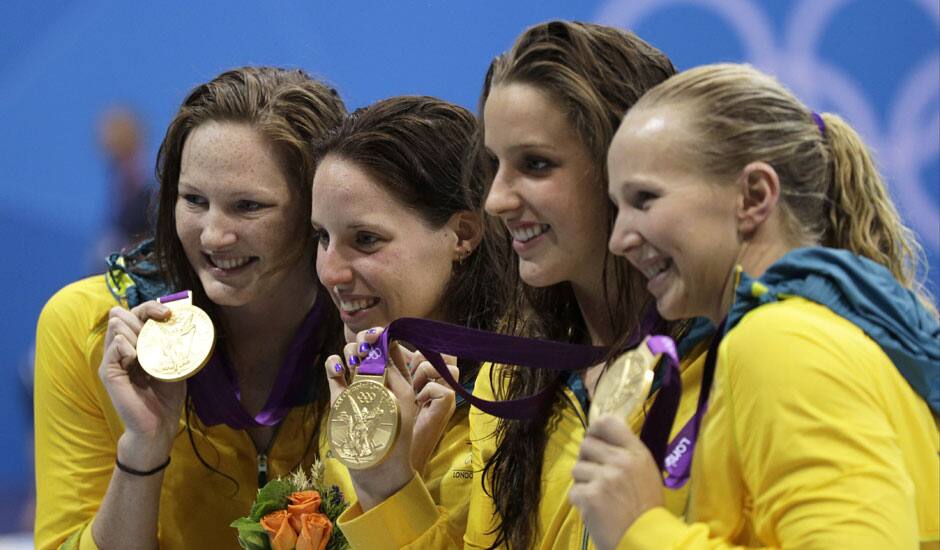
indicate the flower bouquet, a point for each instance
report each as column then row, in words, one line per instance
column 294, row 513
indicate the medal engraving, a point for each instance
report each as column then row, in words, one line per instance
column 179, row 347
column 364, row 424
column 625, row 385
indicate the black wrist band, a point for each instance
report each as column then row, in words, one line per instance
column 142, row 473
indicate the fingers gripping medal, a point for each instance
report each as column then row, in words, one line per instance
column 625, row 385
column 365, row 419
column 179, row 347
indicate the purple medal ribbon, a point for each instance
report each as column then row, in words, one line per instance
column 678, row 459
column 432, row 338
column 174, row 297
column 374, row 363
column 662, row 413
column 217, row 398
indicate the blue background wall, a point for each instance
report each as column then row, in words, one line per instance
column 62, row 62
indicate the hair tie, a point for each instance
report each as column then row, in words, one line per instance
column 820, row 123
column 141, row 473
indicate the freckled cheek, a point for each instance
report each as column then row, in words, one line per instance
column 181, row 221
column 187, row 230
column 391, row 282
column 380, row 273
column 434, row 271
column 277, row 234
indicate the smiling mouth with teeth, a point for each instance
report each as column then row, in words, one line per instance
column 230, row 263
column 355, row 306
column 526, row 234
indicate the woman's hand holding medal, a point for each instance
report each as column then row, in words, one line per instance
column 616, row 478
column 436, row 404
column 148, row 351
column 425, row 405
column 149, row 409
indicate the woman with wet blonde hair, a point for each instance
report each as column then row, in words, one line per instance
column 742, row 205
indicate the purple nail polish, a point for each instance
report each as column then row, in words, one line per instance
column 364, row 347
column 353, row 360
column 337, row 367
column 370, row 331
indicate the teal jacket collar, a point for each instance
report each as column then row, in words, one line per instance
column 863, row 292
column 134, row 277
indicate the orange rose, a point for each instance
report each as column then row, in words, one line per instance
column 282, row 535
column 315, row 531
column 300, row 503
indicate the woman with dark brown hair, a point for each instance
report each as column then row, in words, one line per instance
column 126, row 461
column 549, row 109
column 402, row 233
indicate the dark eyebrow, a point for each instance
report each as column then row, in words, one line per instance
column 362, row 226
column 530, row 145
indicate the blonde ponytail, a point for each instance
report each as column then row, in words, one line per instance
column 862, row 217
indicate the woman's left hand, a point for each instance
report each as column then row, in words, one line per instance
column 425, row 405
column 615, row 481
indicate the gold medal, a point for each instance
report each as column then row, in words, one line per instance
column 364, row 423
column 625, row 385
column 365, row 419
column 179, row 347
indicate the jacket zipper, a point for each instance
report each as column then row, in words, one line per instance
column 262, row 469
column 263, row 456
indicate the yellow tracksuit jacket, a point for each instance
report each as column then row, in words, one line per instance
column 813, row 439
column 409, row 518
column 77, row 430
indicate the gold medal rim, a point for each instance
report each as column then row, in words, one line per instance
column 393, row 439
column 198, row 311
column 646, row 384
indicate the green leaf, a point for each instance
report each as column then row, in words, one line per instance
column 271, row 497
column 254, row 541
column 247, row 525
column 251, row 535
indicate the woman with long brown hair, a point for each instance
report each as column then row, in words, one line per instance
column 401, row 233
column 549, row 109
column 124, row 460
